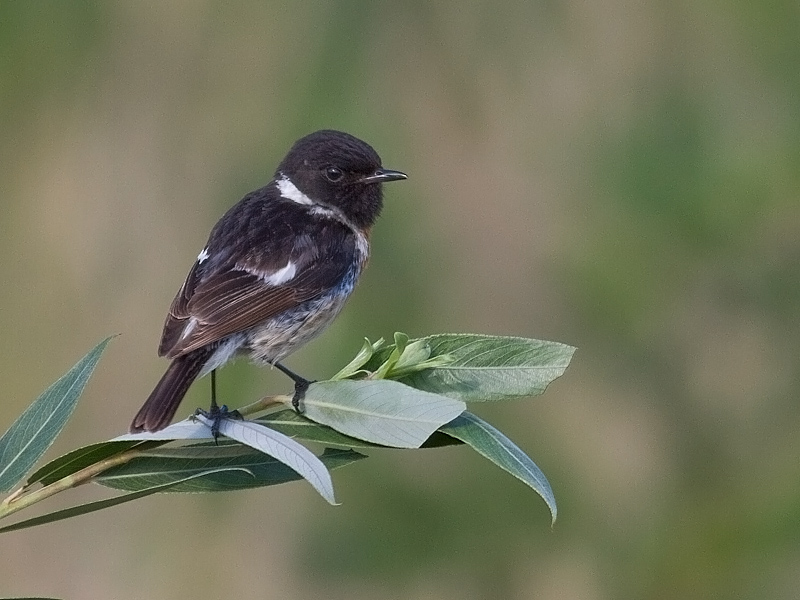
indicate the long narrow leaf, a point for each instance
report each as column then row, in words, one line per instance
column 35, row 430
column 78, row 459
column 174, row 465
column 490, row 443
column 189, row 429
column 285, row 449
column 257, row 436
column 83, row 509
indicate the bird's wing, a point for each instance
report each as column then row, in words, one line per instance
column 221, row 299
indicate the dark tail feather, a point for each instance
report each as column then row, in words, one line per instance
column 160, row 406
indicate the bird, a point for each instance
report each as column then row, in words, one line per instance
column 276, row 270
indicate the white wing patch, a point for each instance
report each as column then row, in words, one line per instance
column 281, row 275
column 290, row 192
column 189, row 328
column 203, row 256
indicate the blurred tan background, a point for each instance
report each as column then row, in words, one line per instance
column 620, row 176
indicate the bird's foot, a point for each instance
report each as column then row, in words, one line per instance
column 216, row 414
column 300, row 389
column 300, row 386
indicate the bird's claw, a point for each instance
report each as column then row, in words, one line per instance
column 216, row 414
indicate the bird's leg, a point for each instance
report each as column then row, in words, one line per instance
column 214, row 390
column 216, row 413
column 300, row 386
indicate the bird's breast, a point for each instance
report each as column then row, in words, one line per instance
column 281, row 335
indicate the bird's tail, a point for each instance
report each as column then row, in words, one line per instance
column 160, row 406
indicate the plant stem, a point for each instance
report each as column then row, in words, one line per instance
column 22, row 499
column 17, row 501
column 263, row 404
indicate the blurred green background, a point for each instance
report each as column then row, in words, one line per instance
column 620, row 176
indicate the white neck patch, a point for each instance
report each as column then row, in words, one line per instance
column 291, row 192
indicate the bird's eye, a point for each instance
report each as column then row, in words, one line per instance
column 333, row 174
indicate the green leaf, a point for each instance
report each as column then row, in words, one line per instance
column 90, row 507
column 35, row 430
column 176, row 466
column 486, row 368
column 255, row 435
column 391, row 356
column 380, row 411
column 400, row 341
column 294, row 425
column 353, row 368
column 416, row 357
column 297, row 426
column 490, row 443
column 189, row 429
column 413, row 354
column 280, row 446
column 80, row 458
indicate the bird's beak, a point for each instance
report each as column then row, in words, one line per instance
column 383, row 175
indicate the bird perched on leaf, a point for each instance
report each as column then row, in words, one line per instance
column 276, row 270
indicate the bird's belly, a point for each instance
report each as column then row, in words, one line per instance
column 277, row 338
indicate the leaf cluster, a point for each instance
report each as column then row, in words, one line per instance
column 411, row 394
